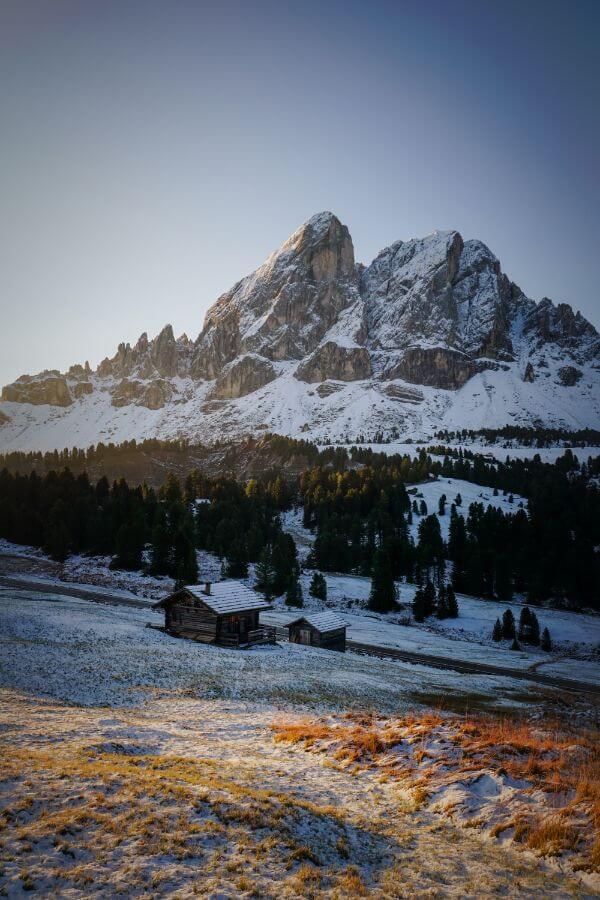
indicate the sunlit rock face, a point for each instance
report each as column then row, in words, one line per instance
column 51, row 389
column 242, row 377
column 310, row 341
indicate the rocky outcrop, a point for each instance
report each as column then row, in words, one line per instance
column 4, row 419
column 402, row 393
column 156, row 394
column 434, row 366
column 569, row 375
column 337, row 363
column 242, row 377
column 152, row 396
column 83, row 388
column 52, row 390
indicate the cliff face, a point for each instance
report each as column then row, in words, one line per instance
column 435, row 312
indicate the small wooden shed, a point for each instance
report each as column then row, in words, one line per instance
column 224, row 613
column 324, row 629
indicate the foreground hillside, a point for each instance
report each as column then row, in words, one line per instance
column 136, row 762
column 430, row 334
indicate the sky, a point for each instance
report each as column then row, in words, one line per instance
column 153, row 153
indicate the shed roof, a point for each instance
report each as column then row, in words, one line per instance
column 323, row 621
column 225, row 597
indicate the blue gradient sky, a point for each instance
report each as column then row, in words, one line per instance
column 153, row 153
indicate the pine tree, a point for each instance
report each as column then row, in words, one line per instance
column 423, row 508
column 442, row 505
column 383, row 590
column 237, row 561
column 429, row 597
column 497, row 631
column 160, row 549
column 515, row 644
column 441, row 609
column 458, row 500
column 58, row 541
column 451, row 603
column 293, row 595
column 534, row 633
column 546, row 643
column 508, row 625
column 265, row 575
column 318, row 587
column 529, row 627
column 419, row 606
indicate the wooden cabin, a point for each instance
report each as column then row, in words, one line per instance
column 224, row 613
column 324, row 629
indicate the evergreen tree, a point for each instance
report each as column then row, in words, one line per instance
column 497, row 633
column 429, row 595
column 237, row 560
column 293, row 594
column 424, row 604
column 284, row 559
column 442, row 505
column 58, row 541
column 515, row 644
column 451, row 603
column 383, row 590
column 419, row 608
column 318, row 587
column 508, row 625
column 415, row 507
column 160, row 548
column 423, row 508
column 265, row 574
column 458, row 549
column 529, row 627
column 458, row 500
column 546, row 643
column 441, row 608
column 184, row 557
column 502, row 579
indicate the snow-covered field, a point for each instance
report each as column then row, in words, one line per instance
column 89, row 653
column 136, row 763
column 454, row 488
column 498, row 451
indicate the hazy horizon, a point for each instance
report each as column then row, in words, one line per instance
column 155, row 154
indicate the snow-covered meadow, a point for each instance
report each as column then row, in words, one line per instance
column 133, row 761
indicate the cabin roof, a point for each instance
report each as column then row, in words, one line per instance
column 225, row 597
column 323, row 621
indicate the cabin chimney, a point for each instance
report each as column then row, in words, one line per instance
column 207, row 588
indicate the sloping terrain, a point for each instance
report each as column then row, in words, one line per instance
column 431, row 334
column 134, row 762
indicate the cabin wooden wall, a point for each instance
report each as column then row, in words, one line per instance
column 329, row 640
column 191, row 615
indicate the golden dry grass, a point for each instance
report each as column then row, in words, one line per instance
column 553, row 759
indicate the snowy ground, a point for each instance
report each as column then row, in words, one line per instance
column 137, row 763
column 498, row 451
column 468, row 492
column 88, row 653
column 576, row 637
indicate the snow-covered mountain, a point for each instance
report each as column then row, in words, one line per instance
column 431, row 334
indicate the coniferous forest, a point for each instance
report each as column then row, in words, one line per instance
column 358, row 504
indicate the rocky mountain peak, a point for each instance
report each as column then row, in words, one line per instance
column 310, row 329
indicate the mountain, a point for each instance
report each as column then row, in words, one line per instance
column 431, row 334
